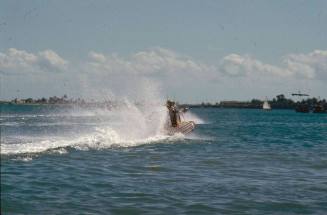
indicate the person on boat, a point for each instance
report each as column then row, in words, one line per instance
column 174, row 115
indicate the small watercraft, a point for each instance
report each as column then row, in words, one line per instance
column 174, row 123
column 266, row 105
column 184, row 128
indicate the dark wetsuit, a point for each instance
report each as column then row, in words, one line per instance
column 174, row 116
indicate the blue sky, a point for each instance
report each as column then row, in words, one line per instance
column 208, row 33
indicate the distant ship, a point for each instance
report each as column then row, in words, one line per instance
column 319, row 108
column 266, row 105
column 301, row 107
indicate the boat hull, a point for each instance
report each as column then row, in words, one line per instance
column 183, row 127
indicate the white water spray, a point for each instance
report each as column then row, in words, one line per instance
column 128, row 124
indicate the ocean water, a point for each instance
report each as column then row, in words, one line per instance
column 57, row 160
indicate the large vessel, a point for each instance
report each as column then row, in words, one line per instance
column 301, row 107
column 319, row 108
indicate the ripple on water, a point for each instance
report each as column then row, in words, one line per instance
column 243, row 161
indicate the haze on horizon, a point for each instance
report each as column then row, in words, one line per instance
column 191, row 51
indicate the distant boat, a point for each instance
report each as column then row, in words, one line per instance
column 301, row 107
column 266, row 105
column 319, row 108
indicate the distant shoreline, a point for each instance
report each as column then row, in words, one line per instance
column 280, row 102
column 191, row 106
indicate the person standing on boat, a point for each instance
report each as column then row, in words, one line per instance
column 174, row 116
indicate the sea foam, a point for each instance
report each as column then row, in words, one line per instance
column 127, row 126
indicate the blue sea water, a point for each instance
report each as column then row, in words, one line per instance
column 57, row 160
